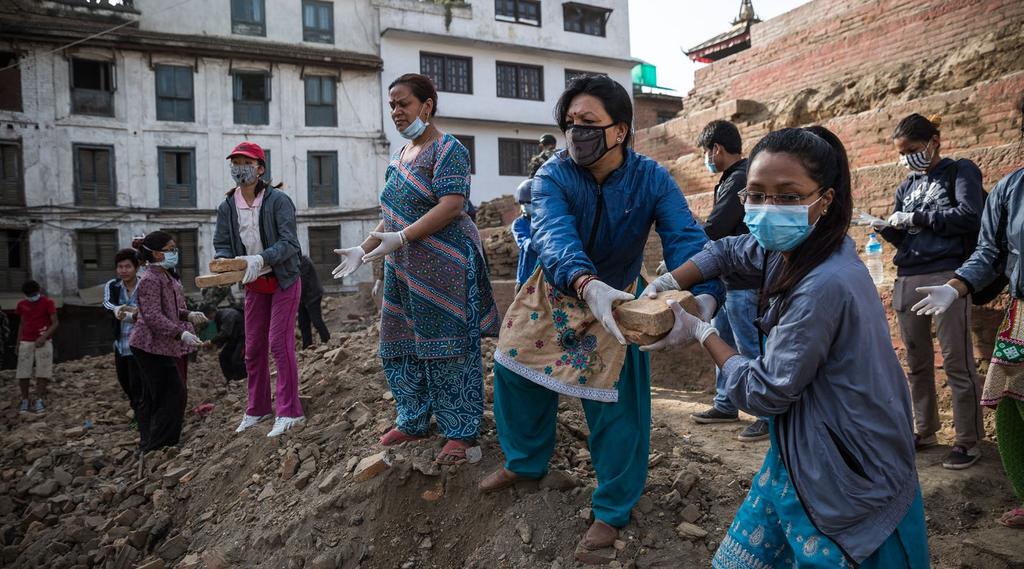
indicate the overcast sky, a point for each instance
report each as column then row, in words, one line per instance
column 659, row 28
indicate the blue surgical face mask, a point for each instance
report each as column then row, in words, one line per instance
column 414, row 130
column 34, row 297
column 170, row 260
column 710, row 164
column 779, row 227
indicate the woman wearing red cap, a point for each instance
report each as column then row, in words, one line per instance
column 256, row 222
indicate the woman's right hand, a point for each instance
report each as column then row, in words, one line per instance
column 191, row 339
column 601, row 298
column 351, row 259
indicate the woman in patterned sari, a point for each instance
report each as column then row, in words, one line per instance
column 437, row 297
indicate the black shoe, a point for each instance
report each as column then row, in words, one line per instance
column 961, row 457
column 756, row 431
column 713, row 415
column 921, row 443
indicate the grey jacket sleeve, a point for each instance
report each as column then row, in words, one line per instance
column 796, row 349
column 222, row 233
column 980, row 269
column 287, row 244
column 738, row 255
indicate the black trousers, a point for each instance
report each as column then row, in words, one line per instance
column 310, row 314
column 161, row 410
column 232, row 359
column 128, row 377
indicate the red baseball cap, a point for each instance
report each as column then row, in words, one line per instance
column 249, row 149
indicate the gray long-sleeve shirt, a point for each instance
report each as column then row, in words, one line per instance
column 830, row 377
column 1004, row 208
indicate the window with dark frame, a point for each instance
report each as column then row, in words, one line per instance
column 322, row 170
column 317, row 21
column 252, row 97
column 14, row 260
column 321, row 101
column 322, row 243
column 664, row 116
column 94, row 175
column 11, row 178
column 96, row 250
column 514, row 156
column 520, row 81
column 518, row 11
column 10, row 82
column 571, row 74
column 450, row 73
column 174, row 93
column 92, row 87
column 187, row 241
column 585, row 19
column 248, row 17
column 470, row 143
column 177, row 170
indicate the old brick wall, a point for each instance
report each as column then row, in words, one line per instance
column 648, row 106
column 857, row 67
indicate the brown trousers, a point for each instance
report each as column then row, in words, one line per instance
column 953, row 329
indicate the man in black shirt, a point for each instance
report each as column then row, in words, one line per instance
column 722, row 146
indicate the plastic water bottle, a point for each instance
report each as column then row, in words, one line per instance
column 874, row 259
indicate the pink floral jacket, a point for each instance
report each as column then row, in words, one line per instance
column 162, row 315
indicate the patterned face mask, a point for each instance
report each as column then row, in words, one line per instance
column 244, row 174
column 917, row 161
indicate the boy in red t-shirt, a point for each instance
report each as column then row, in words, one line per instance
column 38, row 322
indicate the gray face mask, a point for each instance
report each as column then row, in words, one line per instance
column 244, row 174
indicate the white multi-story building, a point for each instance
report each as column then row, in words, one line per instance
column 103, row 137
column 500, row 66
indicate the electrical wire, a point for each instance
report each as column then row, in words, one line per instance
column 97, row 34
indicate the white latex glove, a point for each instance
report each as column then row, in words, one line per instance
column 879, row 224
column 685, row 330
column 901, row 219
column 351, row 259
column 197, row 318
column 661, row 284
column 378, row 288
column 389, row 241
column 253, row 266
column 937, row 301
column 707, row 304
column 191, row 339
column 601, row 300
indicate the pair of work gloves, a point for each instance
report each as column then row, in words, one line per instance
column 353, row 257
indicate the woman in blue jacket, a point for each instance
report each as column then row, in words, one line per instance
column 593, row 208
column 839, row 482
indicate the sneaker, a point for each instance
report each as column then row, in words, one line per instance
column 713, row 415
column 249, row 421
column 23, row 407
column 39, row 407
column 756, row 431
column 961, row 457
column 921, row 443
column 282, row 424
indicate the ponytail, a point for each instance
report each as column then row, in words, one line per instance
column 823, row 156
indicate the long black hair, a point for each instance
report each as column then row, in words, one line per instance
column 613, row 96
column 824, row 158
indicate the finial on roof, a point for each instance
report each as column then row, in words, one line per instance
column 746, row 14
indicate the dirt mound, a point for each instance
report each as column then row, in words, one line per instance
column 72, row 493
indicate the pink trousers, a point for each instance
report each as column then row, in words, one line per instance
column 270, row 324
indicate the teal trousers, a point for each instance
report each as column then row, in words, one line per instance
column 620, row 434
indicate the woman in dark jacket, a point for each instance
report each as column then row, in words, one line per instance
column 256, row 222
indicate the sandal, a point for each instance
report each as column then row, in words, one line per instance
column 1013, row 519
column 599, row 536
column 453, row 452
column 395, row 436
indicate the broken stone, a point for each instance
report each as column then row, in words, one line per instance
column 645, row 504
column 524, row 531
column 267, row 493
column 173, row 548
column 645, row 320
column 126, row 518
column 684, row 483
column 290, row 465
column 327, row 483
column 691, row 513
column 434, row 494
column 426, row 543
column 62, row 477
column 372, row 466
column 74, row 432
column 595, row 556
column 686, row 530
column 45, row 490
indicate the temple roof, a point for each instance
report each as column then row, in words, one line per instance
column 736, row 39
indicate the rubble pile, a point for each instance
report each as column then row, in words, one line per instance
column 498, row 212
